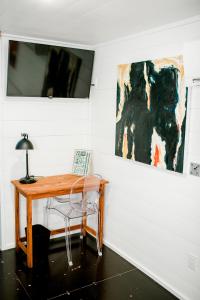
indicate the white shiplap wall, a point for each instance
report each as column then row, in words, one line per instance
column 152, row 217
column 56, row 127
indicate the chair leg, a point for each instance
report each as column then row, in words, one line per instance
column 97, row 234
column 68, row 241
column 81, row 232
column 82, row 224
column 47, row 213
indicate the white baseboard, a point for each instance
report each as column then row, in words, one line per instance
column 13, row 245
column 7, row 246
column 146, row 271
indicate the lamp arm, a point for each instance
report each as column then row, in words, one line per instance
column 27, row 170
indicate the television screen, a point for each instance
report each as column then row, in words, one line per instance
column 37, row 70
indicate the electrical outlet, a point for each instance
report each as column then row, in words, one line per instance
column 192, row 262
column 195, row 169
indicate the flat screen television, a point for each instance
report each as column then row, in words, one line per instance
column 38, row 70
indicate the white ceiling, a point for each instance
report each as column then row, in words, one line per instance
column 90, row 21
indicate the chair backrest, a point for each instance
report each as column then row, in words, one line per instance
column 88, row 188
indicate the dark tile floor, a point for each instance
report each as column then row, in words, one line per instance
column 109, row 277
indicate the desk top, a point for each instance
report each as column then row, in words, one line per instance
column 49, row 186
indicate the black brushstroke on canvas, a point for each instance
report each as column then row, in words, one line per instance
column 140, row 121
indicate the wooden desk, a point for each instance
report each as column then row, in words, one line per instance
column 46, row 187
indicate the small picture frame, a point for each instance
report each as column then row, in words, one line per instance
column 81, row 163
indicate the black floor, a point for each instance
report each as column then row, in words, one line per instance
column 109, row 277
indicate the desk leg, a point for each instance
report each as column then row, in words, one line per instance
column 83, row 225
column 17, row 222
column 29, row 233
column 101, row 218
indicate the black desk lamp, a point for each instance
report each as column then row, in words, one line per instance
column 25, row 144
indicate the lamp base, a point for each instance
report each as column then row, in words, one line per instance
column 27, row 180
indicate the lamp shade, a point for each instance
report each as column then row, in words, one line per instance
column 24, row 144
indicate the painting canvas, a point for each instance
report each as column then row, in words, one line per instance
column 151, row 112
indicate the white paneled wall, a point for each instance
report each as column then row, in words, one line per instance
column 152, row 217
column 56, row 127
column 1, row 148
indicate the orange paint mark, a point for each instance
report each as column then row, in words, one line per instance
column 125, row 145
column 156, row 156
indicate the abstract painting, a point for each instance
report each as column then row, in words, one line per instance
column 151, row 112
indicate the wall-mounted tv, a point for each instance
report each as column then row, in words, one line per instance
column 38, row 70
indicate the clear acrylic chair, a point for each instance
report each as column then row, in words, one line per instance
column 80, row 206
column 81, row 171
